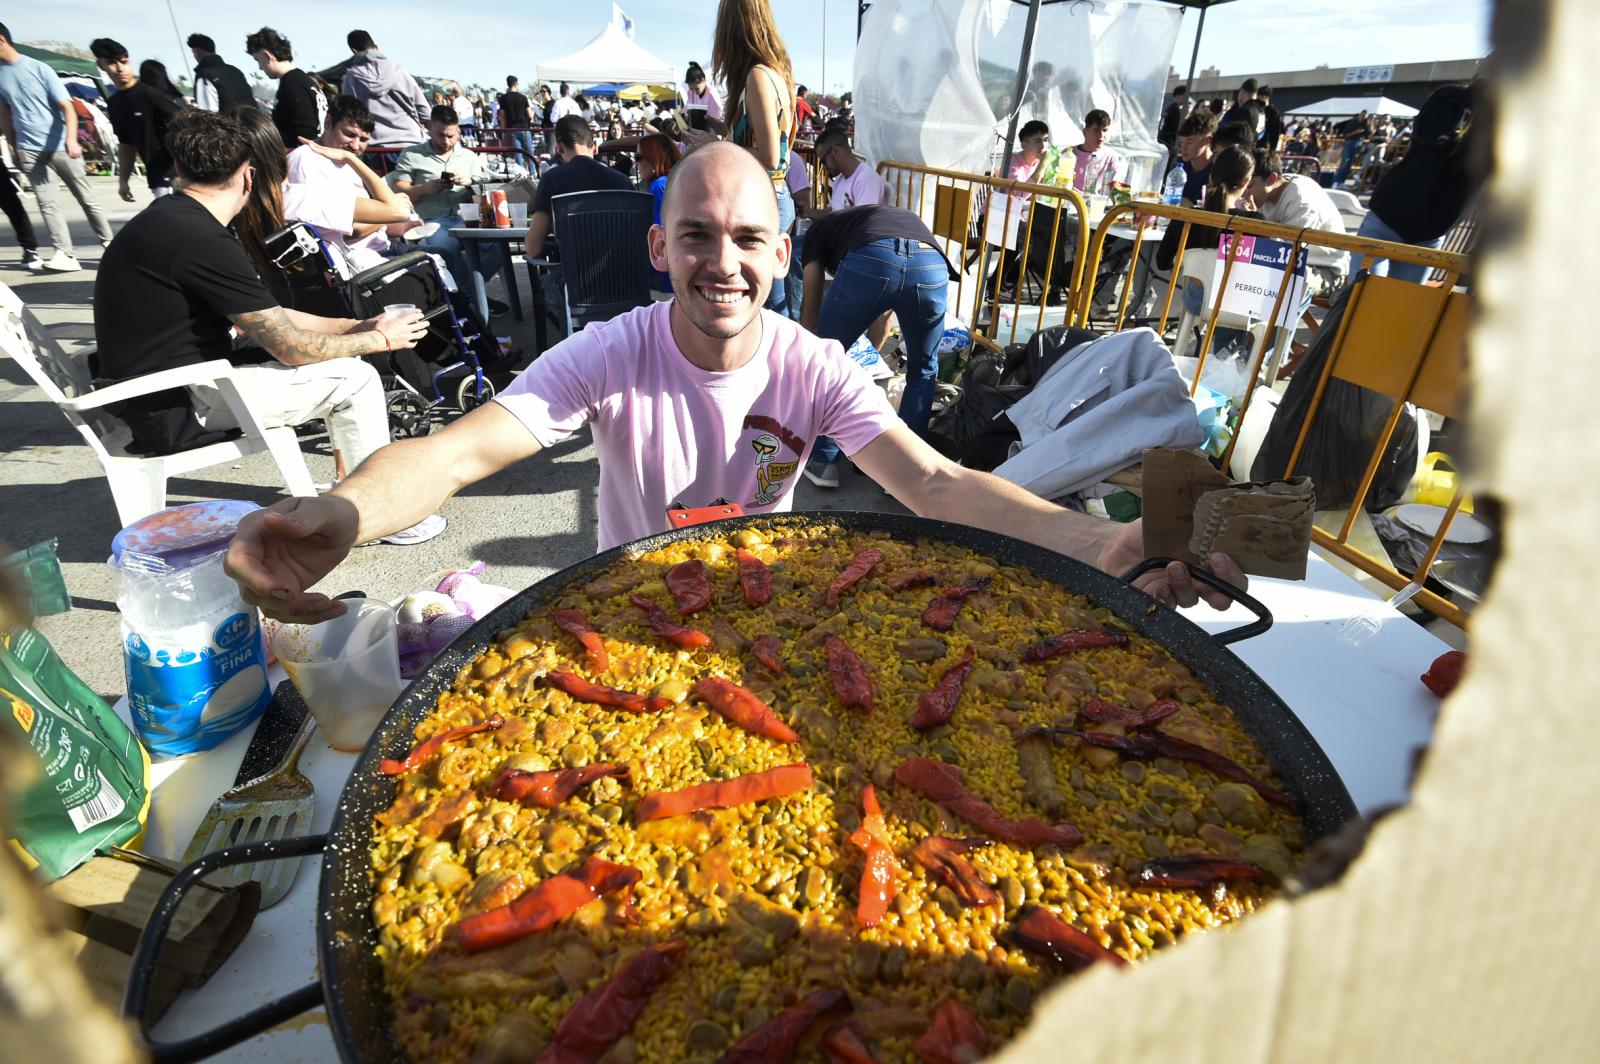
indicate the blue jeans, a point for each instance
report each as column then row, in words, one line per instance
column 794, row 289
column 1194, row 302
column 522, row 139
column 909, row 278
column 778, row 298
column 490, row 256
column 1378, row 229
column 1347, row 158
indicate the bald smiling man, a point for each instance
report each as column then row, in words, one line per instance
column 703, row 398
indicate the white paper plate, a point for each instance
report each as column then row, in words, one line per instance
column 1420, row 517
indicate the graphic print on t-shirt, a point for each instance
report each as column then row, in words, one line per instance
column 771, row 473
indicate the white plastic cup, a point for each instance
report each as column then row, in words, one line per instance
column 519, row 215
column 397, row 310
column 347, row 669
column 468, row 212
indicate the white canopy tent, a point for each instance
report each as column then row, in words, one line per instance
column 612, row 56
column 1342, row 106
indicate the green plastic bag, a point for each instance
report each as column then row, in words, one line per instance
column 90, row 784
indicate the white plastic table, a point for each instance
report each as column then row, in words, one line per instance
column 1362, row 703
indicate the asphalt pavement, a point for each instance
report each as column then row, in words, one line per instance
column 525, row 523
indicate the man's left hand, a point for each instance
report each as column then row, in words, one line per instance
column 74, row 150
column 1173, row 584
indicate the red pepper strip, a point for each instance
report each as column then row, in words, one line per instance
column 755, row 579
column 859, row 566
column 766, row 650
column 549, row 789
column 1077, row 639
column 662, row 624
column 849, row 675
column 600, row 695
column 575, row 624
column 911, row 581
column 845, row 1044
column 690, row 585
column 941, row 784
column 878, row 874
column 1106, row 713
column 725, row 794
column 936, row 706
column 544, row 906
column 945, row 861
column 426, row 750
column 775, row 1040
column 1197, row 871
column 956, row 1037
column 941, row 612
column 1445, row 672
column 1043, row 932
column 608, row 1012
column 743, row 708
column 1159, row 744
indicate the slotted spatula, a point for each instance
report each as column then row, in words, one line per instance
column 277, row 805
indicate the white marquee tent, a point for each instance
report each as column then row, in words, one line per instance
column 1340, row 106
column 612, row 56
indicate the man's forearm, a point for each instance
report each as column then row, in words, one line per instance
column 276, row 333
column 399, row 485
column 125, row 157
column 72, row 123
column 972, row 497
column 316, row 323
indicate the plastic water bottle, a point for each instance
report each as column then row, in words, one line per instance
column 193, row 653
column 1172, row 188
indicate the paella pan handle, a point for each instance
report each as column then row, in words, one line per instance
column 141, row 976
column 1263, row 619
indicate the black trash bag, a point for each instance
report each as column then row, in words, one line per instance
column 1027, row 363
column 1347, row 427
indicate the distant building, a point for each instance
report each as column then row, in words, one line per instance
column 1409, row 83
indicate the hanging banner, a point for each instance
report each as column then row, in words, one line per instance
column 1257, row 274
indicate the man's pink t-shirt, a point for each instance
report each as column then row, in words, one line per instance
column 327, row 192
column 671, row 433
column 862, row 188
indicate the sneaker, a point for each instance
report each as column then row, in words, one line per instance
column 31, row 260
column 421, row 532
column 61, row 262
column 823, row 476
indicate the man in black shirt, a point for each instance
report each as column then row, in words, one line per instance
column 174, row 280
column 139, row 117
column 218, row 86
column 1247, row 109
column 517, row 115
column 1272, row 128
column 579, row 171
column 882, row 259
column 1167, row 134
column 301, row 109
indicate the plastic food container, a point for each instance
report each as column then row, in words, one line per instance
column 193, row 654
column 347, row 669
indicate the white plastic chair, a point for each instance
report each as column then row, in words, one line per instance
column 139, row 482
column 1350, row 209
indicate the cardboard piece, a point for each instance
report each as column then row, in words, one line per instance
column 1191, row 510
column 1171, row 486
column 1463, row 932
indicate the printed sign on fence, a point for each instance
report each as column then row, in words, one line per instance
column 1001, row 228
column 1256, row 276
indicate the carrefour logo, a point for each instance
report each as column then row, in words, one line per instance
column 138, row 649
column 234, row 631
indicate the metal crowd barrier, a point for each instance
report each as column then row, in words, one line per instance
column 1406, row 341
column 957, row 207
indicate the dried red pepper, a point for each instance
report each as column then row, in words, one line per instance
column 690, row 585
column 775, row 1040
column 662, row 624
column 600, row 695
column 1105, row 713
column 755, row 579
column 936, row 706
column 1445, row 672
column 1159, row 744
column 608, row 1012
column 575, row 624
column 941, row 613
column 767, row 650
column 1042, row 932
column 859, row 566
column 956, row 1037
column 544, row 906
column 941, row 784
column 881, row 871
column 743, row 708
column 426, row 750
column 1077, row 639
column 849, row 675
column 726, row 794
column 1197, row 871
column 945, row 859
column 845, row 1044
column 549, row 789
column 913, row 580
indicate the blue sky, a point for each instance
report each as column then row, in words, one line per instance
column 483, row 40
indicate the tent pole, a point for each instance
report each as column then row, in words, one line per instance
column 183, row 48
column 1024, row 69
column 1200, row 29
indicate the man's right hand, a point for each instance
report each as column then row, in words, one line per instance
column 403, row 332
column 125, row 191
column 279, row 553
